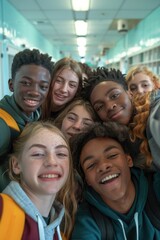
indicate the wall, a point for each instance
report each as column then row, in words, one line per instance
column 16, row 33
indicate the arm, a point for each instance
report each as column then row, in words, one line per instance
column 153, row 134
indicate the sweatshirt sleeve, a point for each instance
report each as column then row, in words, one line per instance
column 5, row 137
column 85, row 227
column 154, row 123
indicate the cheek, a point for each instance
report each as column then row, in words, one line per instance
column 65, row 125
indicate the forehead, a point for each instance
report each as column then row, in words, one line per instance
column 139, row 77
column 99, row 144
column 102, row 87
column 47, row 137
column 65, row 72
column 78, row 109
column 33, row 70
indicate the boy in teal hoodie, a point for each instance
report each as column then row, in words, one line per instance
column 30, row 81
column 112, row 185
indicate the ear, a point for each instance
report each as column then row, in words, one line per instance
column 10, row 85
column 16, row 166
column 129, row 161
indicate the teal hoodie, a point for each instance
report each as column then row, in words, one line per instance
column 133, row 225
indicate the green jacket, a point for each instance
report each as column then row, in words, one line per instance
column 8, row 103
column 7, row 134
column 133, row 225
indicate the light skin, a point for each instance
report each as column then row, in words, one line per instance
column 75, row 121
column 43, row 167
column 65, row 87
column 107, row 170
column 112, row 102
column 30, row 87
column 140, row 83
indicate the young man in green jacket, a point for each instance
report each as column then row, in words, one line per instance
column 30, row 81
column 112, row 186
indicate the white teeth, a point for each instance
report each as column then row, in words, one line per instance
column 109, row 178
column 49, row 176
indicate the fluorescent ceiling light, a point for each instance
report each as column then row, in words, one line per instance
column 80, row 5
column 81, row 27
column 81, row 41
column 82, row 51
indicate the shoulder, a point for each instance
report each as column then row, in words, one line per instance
column 4, row 136
column 85, row 227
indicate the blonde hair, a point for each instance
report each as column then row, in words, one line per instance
column 66, row 195
column 143, row 69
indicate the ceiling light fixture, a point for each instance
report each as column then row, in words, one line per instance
column 81, row 27
column 82, row 51
column 81, row 41
column 80, row 5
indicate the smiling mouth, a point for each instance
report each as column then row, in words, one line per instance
column 109, row 178
column 115, row 115
column 31, row 102
column 50, row 176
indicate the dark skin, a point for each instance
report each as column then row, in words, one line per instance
column 30, row 87
column 107, row 170
column 111, row 102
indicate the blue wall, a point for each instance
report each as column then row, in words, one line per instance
column 145, row 35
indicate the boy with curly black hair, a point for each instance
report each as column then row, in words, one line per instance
column 107, row 91
column 115, row 192
column 30, row 80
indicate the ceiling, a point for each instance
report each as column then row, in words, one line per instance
column 55, row 20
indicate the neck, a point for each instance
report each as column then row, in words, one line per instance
column 124, row 203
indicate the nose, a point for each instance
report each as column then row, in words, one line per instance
column 50, row 160
column 140, row 89
column 104, row 164
column 77, row 125
column 34, row 90
column 109, row 105
column 64, row 87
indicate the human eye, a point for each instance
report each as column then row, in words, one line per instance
column 38, row 154
column 133, row 88
column 71, row 117
column 112, row 155
column 146, row 85
column 25, row 83
column 59, row 80
column 73, row 84
column 62, row 154
column 87, row 123
column 44, row 87
column 115, row 95
column 98, row 107
column 90, row 165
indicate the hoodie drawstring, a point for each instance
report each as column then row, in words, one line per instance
column 136, row 222
column 136, row 225
column 40, row 228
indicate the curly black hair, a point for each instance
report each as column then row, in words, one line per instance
column 113, row 130
column 27, row 57
column 102, row 74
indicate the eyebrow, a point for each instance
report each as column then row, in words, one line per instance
column 141, row 81
column 90, row 157
column 107, row 92
column 30, row 79
column 76, row 115
column 44, row 147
